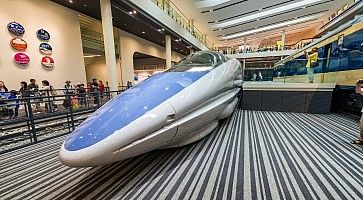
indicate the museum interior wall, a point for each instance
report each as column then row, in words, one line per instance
column 129, row 44
column 65, row 40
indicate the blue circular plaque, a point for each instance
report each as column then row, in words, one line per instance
column 45, row 48
column 43, row 34
column 16, row 28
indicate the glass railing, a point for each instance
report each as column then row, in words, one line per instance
column 298, row 71
column 168, row 7
column 94, row 40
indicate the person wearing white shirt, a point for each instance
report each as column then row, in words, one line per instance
column 359, row 90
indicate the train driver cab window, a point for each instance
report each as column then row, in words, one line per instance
column 197, row 62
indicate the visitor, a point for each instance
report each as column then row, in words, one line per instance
column 3, row 88
column 260, row 78
column 312, row 61
column 81, row 94
column 12, row 106
column 95, row 91
column 68, row 91
column 101, row 88
column 359, row 90
column 24, row 90
column 254, row 76
column 34, row 92
column 48, row 91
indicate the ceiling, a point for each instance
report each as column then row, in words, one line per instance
column 136, row 23
column 230, row 21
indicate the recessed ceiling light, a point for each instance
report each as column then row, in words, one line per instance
column 70, row 1
column 85, row 5
column 163, row 29
column 143, row 32
column 130, row 13
column 134, row 12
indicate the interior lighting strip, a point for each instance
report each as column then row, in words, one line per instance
column 275, row 26
column 257, row 16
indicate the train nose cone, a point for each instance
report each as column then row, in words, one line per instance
column 121, row 111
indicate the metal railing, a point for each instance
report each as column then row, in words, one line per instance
column 94, row 40
column 29, row 117
column 168, row 7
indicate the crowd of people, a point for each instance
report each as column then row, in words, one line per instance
column 74, row 95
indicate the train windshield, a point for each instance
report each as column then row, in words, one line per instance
column 200, row 61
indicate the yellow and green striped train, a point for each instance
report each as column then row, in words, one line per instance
column 340, row 58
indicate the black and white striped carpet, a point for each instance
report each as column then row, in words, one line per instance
column 251, row 155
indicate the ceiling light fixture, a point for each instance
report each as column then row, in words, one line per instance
column 209, row 3
column 134, row 12
column 143, row 32
column 266, row 13
column 70, row 1
column 272, row 27
column 91, row 56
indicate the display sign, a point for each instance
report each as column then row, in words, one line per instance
column 47, row 61
column 18, row 44
column 45, row 48
column 43, row 34
column 21, row 59
column 16, row 28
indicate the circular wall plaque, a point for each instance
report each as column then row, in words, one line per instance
column 43, row 34
column 18, row 44
column 47, row 61
column 21, row 59
column 16, row 28
column 45, row 48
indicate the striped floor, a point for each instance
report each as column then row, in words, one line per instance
column 252, row 155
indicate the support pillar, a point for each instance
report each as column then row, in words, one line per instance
column 244, row 45
column 168, row 51
column 109, row 44
column 283, row 40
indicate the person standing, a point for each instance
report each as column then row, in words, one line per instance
column 359, row 90
column 312, row 58
column 34, row 92
column 95, row 91
column 3, row 88
column 101, row 87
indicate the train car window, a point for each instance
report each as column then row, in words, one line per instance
column 200, row 61
column 334, row 57
column 354, row 46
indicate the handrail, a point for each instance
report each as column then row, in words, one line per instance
column 341, row 14
column 29, row 119
column 178, row 16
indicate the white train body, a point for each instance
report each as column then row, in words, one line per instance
column 174, row 108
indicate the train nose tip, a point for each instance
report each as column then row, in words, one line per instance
column 84, row 158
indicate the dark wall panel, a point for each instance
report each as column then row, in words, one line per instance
column 252, row 100
column 271, row 101
column 318, row 102
column 294, row 101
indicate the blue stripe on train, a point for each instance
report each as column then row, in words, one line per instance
column 129, row 106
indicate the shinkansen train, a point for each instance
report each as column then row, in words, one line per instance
column 340, row 61
column 170, row 109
